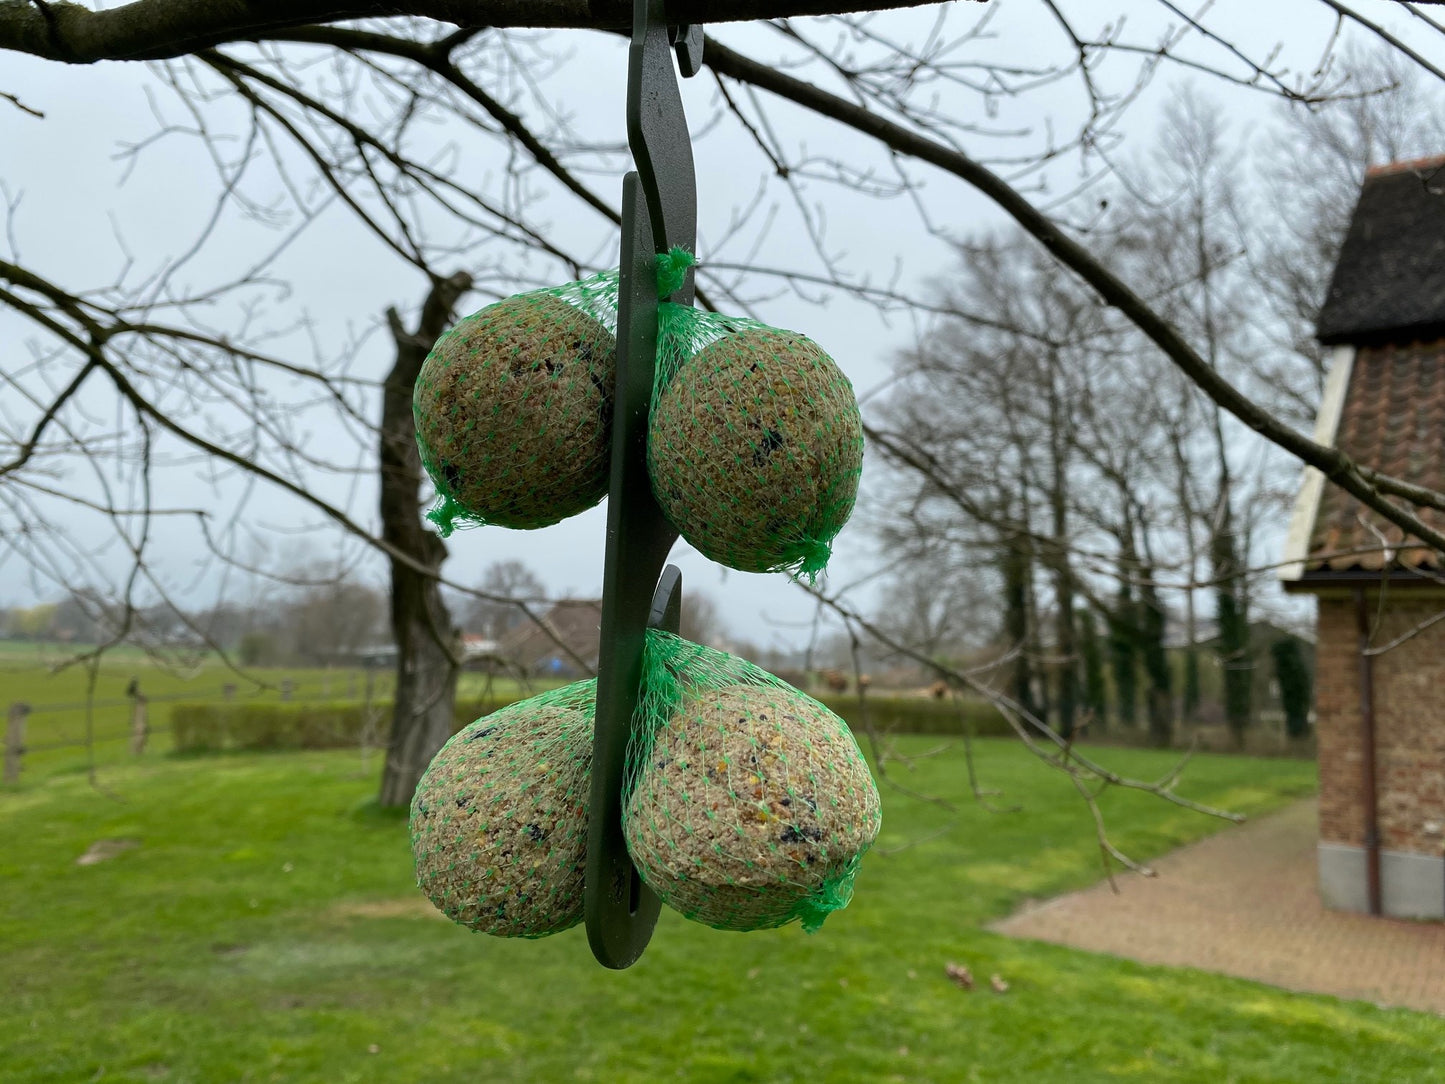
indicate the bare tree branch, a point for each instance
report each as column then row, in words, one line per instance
column 160, row 29
column 1370, row 487
column 1393, row 41
column 18, row 104
column 91, row 342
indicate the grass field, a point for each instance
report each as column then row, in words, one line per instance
column 64, row 704
column 264, row 927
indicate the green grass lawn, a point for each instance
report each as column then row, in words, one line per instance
column 266, row 928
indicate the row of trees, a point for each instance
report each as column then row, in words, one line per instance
column 1084, row 508
column 302, row 623
column 308, row 615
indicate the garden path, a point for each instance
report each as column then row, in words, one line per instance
column 1244, row 902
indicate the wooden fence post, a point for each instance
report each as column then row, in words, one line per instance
column 139, row 725
column 15, row 740
column 369, row 719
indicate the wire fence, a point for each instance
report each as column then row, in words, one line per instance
column 86, row 724
column 93, row 723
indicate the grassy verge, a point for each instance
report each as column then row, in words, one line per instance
column 265, row 928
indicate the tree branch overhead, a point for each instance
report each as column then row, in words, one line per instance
column 162, row 29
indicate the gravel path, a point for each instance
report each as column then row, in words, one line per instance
column 1244, row 902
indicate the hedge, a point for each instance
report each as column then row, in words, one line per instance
column 921, row 715
column 212, row 728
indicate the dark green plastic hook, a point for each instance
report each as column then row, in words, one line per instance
column 659, row 210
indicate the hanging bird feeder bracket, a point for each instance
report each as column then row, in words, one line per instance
column 659, row 211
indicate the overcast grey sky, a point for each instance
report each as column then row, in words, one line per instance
column 87, row 214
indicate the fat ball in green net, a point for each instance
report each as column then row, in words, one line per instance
column 514, row 405
column 499, row 819
column 747, row 805
column 755, row 443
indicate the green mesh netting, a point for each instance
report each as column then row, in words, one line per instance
column 755, row 444
column 499, row 819
column 514, row 408
column 746, row 804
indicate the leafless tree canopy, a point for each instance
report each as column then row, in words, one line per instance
column 440, row 133
column 505, row 580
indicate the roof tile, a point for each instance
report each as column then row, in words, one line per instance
column 1393, row 420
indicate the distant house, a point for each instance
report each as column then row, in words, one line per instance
column 369, row 657
column 480, row 653
column 563, row 645
column 1266, row 701
column 569, row 628
column 1380, row 689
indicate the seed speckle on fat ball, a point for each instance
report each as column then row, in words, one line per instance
column 755, row 448
column 499, row 819
column 753, row 807
column 514, row 407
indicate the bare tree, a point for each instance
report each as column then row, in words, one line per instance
column 1196, row 226
column 510, row 579
column 1398, row 113
column 128, row 378
column 1117, row 467
column 1006, row 431
column 332, row 622
column 941, row 602
column 701, row 622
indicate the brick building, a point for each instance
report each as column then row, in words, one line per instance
column 1380, row 663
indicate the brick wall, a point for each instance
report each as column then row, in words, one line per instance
column 1409, row 724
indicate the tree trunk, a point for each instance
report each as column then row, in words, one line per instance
column 1191, row 693
column 1065, row 638
column 1016, row 622
column 1160, row 700
column 1191, row 669
column 1233, row 618
column 1034, row 641
column 1067, row 697
column 1122, row 657
column 426, row 647
column 1293, row 676
column 1096, row 696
